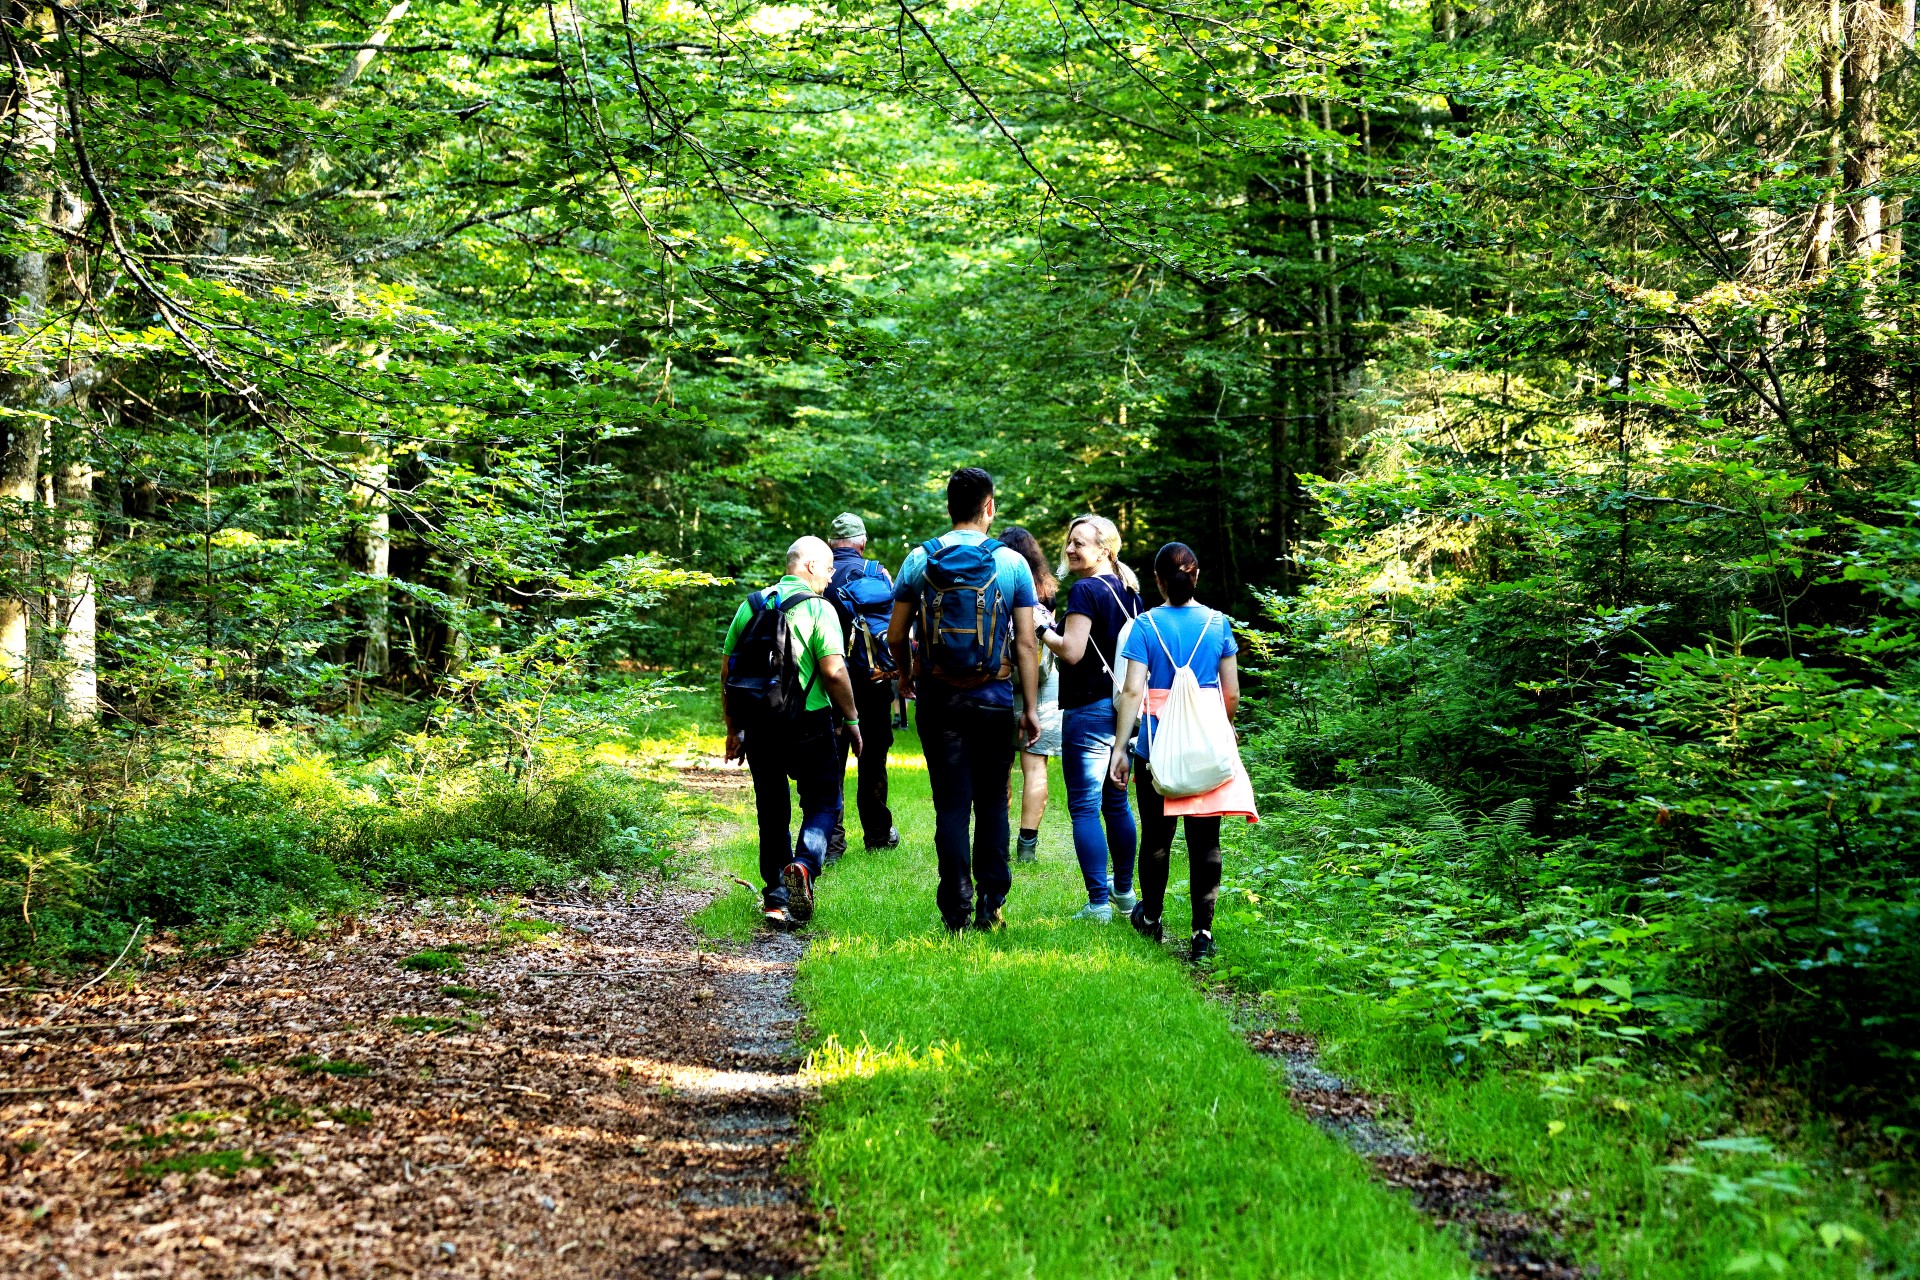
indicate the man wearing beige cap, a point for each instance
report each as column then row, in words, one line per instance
column 862, row 592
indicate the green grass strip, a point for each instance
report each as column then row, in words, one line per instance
column 1057, row 1100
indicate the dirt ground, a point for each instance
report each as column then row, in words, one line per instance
column 605, row 1098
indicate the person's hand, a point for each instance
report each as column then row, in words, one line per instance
column 1030, row 726
column 1119, row 764
column 736, row 745
column 906, row 686
column 853, row 738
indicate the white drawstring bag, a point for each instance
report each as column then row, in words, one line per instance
column 1191, row 749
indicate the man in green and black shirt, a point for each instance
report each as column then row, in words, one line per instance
column 798, row 745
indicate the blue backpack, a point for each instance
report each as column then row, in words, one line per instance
column 864, row 600
column 965, row 625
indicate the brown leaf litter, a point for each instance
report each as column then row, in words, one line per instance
column 609, row 1099
column 1508, row 1244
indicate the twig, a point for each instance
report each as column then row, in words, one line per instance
column 488, row 1084
column 742, row 883
column 104, row 972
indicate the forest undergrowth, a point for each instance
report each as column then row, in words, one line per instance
column 224, row 828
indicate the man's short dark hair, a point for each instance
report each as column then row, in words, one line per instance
column 967, row 492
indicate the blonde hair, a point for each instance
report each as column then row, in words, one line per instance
column 1109, row 542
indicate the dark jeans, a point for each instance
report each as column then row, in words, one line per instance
column 801, row 749
column 1156, row 853
column 875, row 704
column 969, row 761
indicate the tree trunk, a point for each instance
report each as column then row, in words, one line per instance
column 372, row 550
column 1767, row 45
column 73, row 611
column 1833, row 104
column 1867, row 31
column 30, row 130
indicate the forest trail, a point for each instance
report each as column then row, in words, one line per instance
column 1057, row 1099
column 615, row 1097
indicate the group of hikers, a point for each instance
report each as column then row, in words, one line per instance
column 973, row 631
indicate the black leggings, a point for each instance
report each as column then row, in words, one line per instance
column 1156, row 854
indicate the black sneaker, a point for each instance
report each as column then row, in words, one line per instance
column 1155, row 932
column 777, row 919
column 891, row 842
column 1202, row 947
column 989, row 921
column 798, row 882
column 1027, row 849
column 954, row 926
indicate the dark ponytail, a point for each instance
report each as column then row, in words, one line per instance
column 1177, row 571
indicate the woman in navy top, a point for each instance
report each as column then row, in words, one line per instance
column 1104, row 599
column 1182, row 632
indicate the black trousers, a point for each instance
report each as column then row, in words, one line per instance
column 969, row 759
column 800, row 750
column 1156, row 853
column 874, row 700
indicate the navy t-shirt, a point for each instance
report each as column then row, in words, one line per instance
column 1108, row 603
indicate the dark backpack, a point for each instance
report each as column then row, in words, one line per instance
column 965, row 625
column 763, row 677
column 864, row 601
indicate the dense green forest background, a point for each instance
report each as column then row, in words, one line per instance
column 394, row 393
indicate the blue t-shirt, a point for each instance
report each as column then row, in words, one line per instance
column 1187, row 629
column 1108, row 603
column 1016, row 587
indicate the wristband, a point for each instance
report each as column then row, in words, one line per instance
column 850, row 724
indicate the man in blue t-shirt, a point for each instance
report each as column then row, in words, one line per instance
column 967, row 726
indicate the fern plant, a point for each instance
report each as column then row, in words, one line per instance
column 1494, row 849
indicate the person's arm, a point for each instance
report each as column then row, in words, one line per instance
column 838, row 683
column 1071, row 645
column 1126, row 711
column 1027, row 654
column 1230, row 683
column 736, row 742
column 897, row 628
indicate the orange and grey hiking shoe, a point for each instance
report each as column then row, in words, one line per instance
column 798, row 882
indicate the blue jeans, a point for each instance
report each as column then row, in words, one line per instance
column 1086, row 735
column 969, row 753
column 803, row 750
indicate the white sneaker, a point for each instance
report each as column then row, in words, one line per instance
column 1124, row 903
column 1101, row 914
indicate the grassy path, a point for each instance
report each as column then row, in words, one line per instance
column 1056, row 1100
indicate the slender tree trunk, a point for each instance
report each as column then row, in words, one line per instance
column 1767, row 45
column 372, row 551
column 1868, row 28
column 1833, row 106
column 73, row 610
column 30, row 131
column 1893, row 235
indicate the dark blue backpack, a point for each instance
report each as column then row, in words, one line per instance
column 763, row 684
column 965, row 625
column 864, row 600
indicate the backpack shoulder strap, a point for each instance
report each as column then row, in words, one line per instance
column 1202, row 637
column 933, row 547
column 872, row 565
column 1155, row 627
column 797, row 598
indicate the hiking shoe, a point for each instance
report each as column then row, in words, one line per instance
column 1152, row 931
column 1098, row 912
column 1202, row 947
column 1124, row 903
column 954, row 926
column 798, row 882
column 830, row 857
column 777, row 919
column 891, row 842
column 989, row 921
column 1028, row 849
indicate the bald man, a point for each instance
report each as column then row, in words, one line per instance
column 796, row 740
